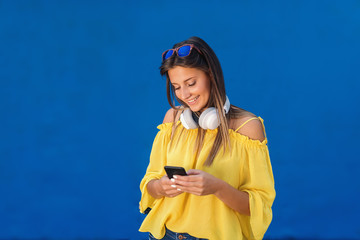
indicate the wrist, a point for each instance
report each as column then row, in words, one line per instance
column 220, row 186
column 154, row 188
column 158, row 188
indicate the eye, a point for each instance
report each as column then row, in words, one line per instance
column 192, row 84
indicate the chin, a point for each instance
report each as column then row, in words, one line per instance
column 196, row 109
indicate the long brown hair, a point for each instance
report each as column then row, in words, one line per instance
column 207, row 61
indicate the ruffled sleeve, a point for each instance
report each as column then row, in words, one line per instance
column 156, row 165
column 258, row 182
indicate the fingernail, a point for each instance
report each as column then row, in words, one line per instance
column 173, row 180
column 175, row 177
column 179, row 189
column 174, row 186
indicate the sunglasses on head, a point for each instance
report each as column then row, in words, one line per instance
column 181, row 51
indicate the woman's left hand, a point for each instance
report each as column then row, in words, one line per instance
column 197, row 182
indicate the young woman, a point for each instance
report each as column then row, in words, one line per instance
column 229, row 188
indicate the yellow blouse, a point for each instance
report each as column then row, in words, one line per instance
column 246, row 168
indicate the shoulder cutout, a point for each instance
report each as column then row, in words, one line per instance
column 170, row 115
column 253, row 129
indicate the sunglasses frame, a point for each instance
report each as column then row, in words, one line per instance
column 175, row 50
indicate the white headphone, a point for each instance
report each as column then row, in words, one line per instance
column 208, row 119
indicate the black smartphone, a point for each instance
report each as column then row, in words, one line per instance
column 171, row 171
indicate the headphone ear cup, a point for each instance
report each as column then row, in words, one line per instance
column 187, row 120
column 227, row 105
column 209, row 119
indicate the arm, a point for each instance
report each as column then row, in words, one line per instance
column 154, row 171
column 233, row 198
column 153, row 188
column 253, row 129
column 159, row 188
column 171, row 115
column 202, row 183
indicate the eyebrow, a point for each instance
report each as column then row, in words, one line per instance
column 185, row 80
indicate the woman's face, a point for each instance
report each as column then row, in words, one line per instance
column 192, row 86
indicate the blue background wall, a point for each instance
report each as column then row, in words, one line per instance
column 81, row 95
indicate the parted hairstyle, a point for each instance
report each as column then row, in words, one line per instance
column 208, row 62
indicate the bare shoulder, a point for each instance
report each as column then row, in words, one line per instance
column 252, row 128
column 170, row 115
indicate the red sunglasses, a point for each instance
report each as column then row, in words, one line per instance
column 181, row 51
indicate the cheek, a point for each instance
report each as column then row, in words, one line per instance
column 206, row 89
column 176, row 94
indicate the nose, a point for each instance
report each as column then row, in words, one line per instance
column 185, row 93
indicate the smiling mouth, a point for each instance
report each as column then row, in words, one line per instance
column 193, row 100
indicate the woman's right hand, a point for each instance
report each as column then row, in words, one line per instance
column 167, row 188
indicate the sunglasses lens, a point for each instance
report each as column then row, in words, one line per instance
column 184, row 51
column 168, row 54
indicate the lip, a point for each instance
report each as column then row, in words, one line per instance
column 194, row 102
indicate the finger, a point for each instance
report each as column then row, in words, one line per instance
column 170, row 187
column 167, row 181
column 173, row 188
column 174, row 192
column 191, row 190
column 164, row 178
column 189, row 178
column 196, row 184
column 194, row 172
